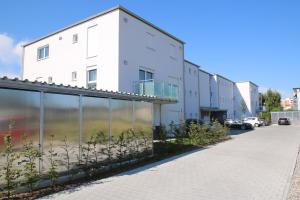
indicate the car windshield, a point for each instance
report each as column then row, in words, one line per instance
column 282, row 118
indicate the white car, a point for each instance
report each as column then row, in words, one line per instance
column 254, row 121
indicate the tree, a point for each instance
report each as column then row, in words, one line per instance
column 271, row 100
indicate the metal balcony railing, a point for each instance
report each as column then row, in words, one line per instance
column 156, row 88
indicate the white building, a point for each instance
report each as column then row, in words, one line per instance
column 120, row 51
column 296, row 105
column 114, row 50
column 246, row 93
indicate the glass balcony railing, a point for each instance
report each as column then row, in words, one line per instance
column 156, row 88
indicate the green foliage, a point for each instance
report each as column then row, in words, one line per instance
column 178, row 131
column 66, row 155
column 271, row 100
column 162, row 133
column 121, row 146
column 10, row 172
column 31, row 155
column 266, row 116
column 52, row 158
column 203, row 134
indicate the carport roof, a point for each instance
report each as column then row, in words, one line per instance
column 63, row 89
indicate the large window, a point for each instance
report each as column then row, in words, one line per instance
column 92, row 78
column 43, row 52
column 145, row 75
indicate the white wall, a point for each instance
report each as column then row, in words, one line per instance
column 226, row 95
column 191, row 75
column 204, row 85
column 143, row 47
column 66, row 57
column 249, row 93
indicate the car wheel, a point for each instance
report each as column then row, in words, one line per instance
column 243, row 127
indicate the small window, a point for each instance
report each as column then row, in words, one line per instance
column 50, row 79
column 145, row 75
column 190, row 70
column 74, row 76
column 92, row 78
column 149, row 76
column 43, row 52
column 75, row 38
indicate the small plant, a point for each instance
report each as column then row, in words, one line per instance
column 108, row 150
column 52, row 171
column 121, row 147
column 31, row 156
column 86, row 154
column 67, row 154
column 162, row 133
column 11, row 173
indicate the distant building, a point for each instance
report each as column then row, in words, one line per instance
column 287, row 103
column 296, row 97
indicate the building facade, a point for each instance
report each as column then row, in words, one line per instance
column 116, row 50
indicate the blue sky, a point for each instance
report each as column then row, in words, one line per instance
column 257, row 40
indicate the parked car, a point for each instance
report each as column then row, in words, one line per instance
column 254, row 121
column 284, row 121
column 240, row 125
column 228, row 122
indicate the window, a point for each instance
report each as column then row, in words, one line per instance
column 43, row 52
column 145, row 75
column 74, row 76
column 92, row 78
column 190, row 70
column 75, row 38
column 92, row 41
column 150, row 41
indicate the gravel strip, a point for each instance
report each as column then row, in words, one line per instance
column 294, row 192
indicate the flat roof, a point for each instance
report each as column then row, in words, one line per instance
column 223, row 77
column 248, row 82
column 199, row 67
column 17, row 84
column 119, row 7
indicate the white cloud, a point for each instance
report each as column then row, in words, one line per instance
column 10, row 56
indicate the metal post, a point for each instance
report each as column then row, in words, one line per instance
column 109, row 121
column 133, row 113
column 42, row 117
column 80, row 126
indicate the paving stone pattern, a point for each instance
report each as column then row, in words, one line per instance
column 254, row 165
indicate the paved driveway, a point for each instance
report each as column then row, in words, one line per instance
column 254, row 165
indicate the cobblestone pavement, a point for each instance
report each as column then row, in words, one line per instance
column 294, row 192
column 254, row 165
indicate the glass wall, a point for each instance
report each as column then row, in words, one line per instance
column 95, row 122
column 19, row 114
column 111, row 129
column 122, row 116
column 61, row 126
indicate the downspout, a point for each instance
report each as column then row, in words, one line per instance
column 183, row 83
column 199, row 110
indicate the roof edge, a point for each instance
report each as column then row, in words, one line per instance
column 118, row 7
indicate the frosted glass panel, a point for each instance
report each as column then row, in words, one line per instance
column 21, row 110
column 95, row 128
column 61, row 121
column 143, row 124
column 122, row 116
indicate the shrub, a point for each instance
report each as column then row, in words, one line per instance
column 10, row 172
column 52, row 171
column 31, row 155
column 66, row 155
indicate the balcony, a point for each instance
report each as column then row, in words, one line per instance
column 156, row 88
